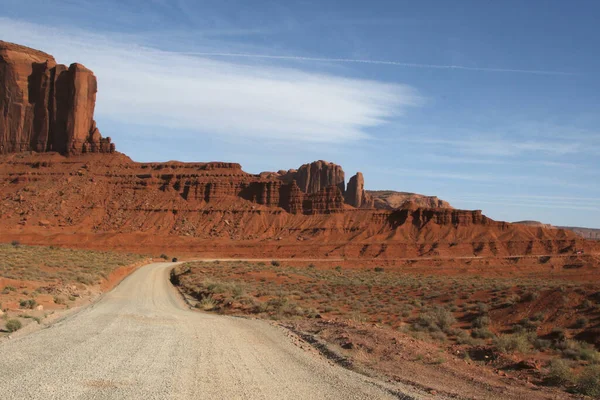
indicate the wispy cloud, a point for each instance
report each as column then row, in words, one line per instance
column 445, row 159
column 503, row 146
column 177, row 91
column 380, row 62
column 481, row 177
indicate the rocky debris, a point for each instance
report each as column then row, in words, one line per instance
column 356, row 195
column 391, row 200
column 47, row 106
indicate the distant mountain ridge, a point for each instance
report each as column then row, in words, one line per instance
column 391, row 200
column 587, row 233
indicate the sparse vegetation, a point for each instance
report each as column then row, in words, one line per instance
column 64, row 265
column 13, row 325
column 43, row 276
column 509, row 316
column 29, row 303
column 559, row 372
column 589, row 381
column 513, row 342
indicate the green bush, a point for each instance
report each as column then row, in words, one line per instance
column 462, row 337
column 164, row 256
column 526, row 325
column 542, row 344
column 437, row 319
column 512, row 343
column 482, row 333
column 589, row 381
column 207, row 303
column 559, row 372
column 275, row 263
column 481, row 322
column 579, row 351
column 29, row 303
column 13, row 325
column 439, row 336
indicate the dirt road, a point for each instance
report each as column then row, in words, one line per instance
column 141, row 342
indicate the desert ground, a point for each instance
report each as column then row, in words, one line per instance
column 369, row 332
column 142, row 341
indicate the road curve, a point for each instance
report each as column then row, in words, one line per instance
column 141, row 342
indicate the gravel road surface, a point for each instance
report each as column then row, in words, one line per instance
column 140, row 341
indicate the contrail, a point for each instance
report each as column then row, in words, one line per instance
column 381, row 62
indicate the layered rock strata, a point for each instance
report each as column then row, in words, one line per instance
column 47, row 106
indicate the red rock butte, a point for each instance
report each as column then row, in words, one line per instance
column 47, row 106
column 62, row 183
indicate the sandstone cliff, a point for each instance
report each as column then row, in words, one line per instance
column 356, row 195
column 47, row 106
column 312, row 178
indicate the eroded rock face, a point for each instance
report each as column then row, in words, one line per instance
column 47, row 106
column 312, row 178
column 413, row 214
column 326, row 201
column 356, row 195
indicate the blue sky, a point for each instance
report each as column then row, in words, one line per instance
column 488, row 105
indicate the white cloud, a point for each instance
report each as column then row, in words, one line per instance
column 140, row 85
column 444, row 159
